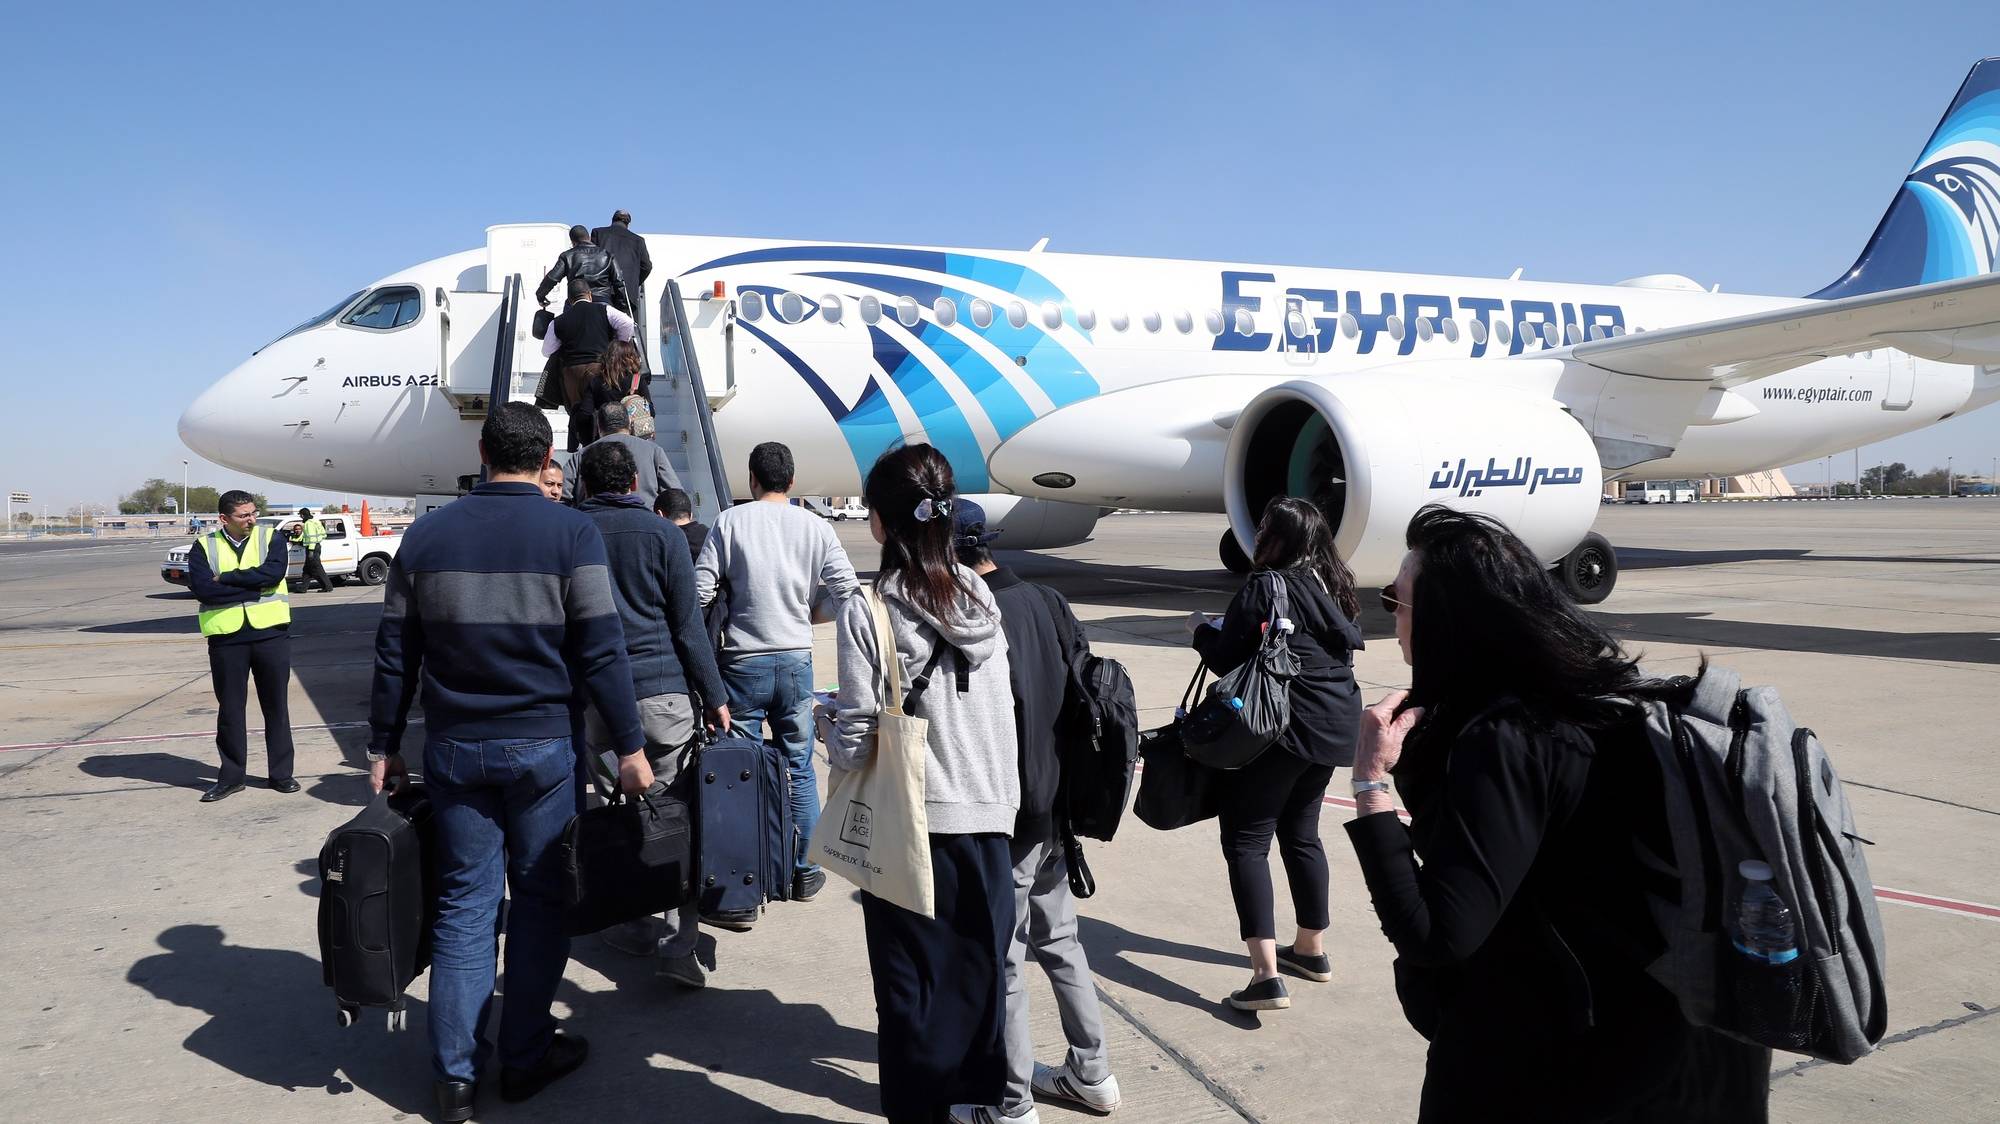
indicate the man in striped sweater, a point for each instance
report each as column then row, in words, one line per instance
column 499, row 609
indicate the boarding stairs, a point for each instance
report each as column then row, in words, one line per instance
column 487, row 354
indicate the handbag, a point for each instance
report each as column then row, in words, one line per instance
column 874, row 830
column 1175, row 790
column 628, row 859
column 1249, row 709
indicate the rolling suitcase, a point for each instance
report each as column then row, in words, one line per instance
column 378, row 900
column 744, row 838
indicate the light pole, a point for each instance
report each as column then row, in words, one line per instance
column 184, row 489
column 1948, row 489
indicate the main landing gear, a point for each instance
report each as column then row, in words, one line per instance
column 1589, row 572
column 1233, row 558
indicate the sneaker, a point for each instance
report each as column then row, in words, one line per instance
column 683, row 970
column 565, row 1053
column 1061, row 1083
column 1318, row 969
column 806, row 886
column 1264, row 995
column 633, row 938
column 986, row 1114
column 734, row 920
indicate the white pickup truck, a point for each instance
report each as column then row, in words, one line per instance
column 345, row 553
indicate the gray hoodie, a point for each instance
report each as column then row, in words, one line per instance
column 971, row 783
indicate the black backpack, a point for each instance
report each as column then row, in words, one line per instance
column 1098, row 738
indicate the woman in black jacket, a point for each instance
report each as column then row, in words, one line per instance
column 1521, row 937
column 1281, row 791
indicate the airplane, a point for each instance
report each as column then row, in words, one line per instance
column 1063, row 386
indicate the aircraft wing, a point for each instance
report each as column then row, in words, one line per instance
column 1950, row 321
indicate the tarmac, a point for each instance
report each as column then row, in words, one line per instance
column 162, row 964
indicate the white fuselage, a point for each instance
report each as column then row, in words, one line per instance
column 1166, row 349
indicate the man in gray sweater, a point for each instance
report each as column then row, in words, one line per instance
column 767, row 559
column 656, row 472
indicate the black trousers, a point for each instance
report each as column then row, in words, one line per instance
column 941, row 984
column 230, row 667
column 315, row 571
column 1277, row 794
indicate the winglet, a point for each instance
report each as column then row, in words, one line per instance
column 1944, row 223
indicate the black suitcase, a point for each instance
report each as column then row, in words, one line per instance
column 626, row 860
column 745, row 842
column 378, row 901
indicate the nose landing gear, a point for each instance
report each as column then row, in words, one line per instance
column 1590, row 571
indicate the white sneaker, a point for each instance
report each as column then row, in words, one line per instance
column 1060, row 1083
column 986, row 1114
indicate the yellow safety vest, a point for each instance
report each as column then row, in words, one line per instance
column 313, row 533
column 268, row 611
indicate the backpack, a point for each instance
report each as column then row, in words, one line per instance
column 1742, row 781
column 1246, row 711
column 1099, row 740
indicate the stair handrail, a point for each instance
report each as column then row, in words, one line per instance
column 678, row 316
column 502, row 388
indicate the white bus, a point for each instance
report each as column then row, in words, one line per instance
column 1661, row 491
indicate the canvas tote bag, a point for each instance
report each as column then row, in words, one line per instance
column 874, row 831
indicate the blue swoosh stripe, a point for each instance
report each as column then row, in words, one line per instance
column 944, row 423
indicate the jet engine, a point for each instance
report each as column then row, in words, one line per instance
column 1371, row 448
column 1031, row 524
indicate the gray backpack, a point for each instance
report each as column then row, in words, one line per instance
column 1743, row 781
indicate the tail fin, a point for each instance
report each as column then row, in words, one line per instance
column 1944, row 223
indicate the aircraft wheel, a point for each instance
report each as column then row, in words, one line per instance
column 1589, row 572
column 1233, row 558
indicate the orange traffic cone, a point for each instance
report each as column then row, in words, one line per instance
column 367, row 526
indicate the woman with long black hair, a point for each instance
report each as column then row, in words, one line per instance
column 1521, row 937
column 940, row 987
column 1280, row 792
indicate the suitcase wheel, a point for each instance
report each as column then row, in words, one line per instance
column 343, row 1016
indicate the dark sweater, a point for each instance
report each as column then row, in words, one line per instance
column 1038, row 663
column 1326, row 706
column 500, row 605
column 1520, row 935
column 652, row 579
column 237, row 587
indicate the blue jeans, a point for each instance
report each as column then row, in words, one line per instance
column 501, row 807
column 778, row 686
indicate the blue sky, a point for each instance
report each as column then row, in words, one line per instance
column 186, row 181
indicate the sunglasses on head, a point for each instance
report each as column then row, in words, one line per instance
column 1391, row 602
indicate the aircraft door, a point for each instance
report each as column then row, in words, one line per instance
column 1298, row 341
column 1902, row 381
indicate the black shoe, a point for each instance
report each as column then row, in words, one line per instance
column 286, row 786
column 565, row 1053
column 220, row 791
column 1264, row 995
column 454, row 1099
column 806, row 887
column 1318, row 969
column 734, row 920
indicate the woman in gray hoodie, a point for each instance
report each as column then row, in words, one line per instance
column 940, row 990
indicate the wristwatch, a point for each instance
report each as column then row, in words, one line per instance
column 1370, row 786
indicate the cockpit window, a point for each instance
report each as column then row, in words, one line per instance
column 320, row 319
column 391, row 307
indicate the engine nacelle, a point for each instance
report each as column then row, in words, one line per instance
column 1031, row 524
column 1371, row 448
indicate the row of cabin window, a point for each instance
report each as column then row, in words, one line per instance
column 790, row 308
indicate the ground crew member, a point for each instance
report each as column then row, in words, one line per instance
column 310, row 533
column 238, row 573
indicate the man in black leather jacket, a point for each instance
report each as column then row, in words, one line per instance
column 628, row 253
column 588, row 264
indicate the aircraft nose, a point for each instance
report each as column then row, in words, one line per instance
column 202, row 424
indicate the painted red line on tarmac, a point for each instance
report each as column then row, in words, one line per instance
column 132, row 739
column 1931, row 901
